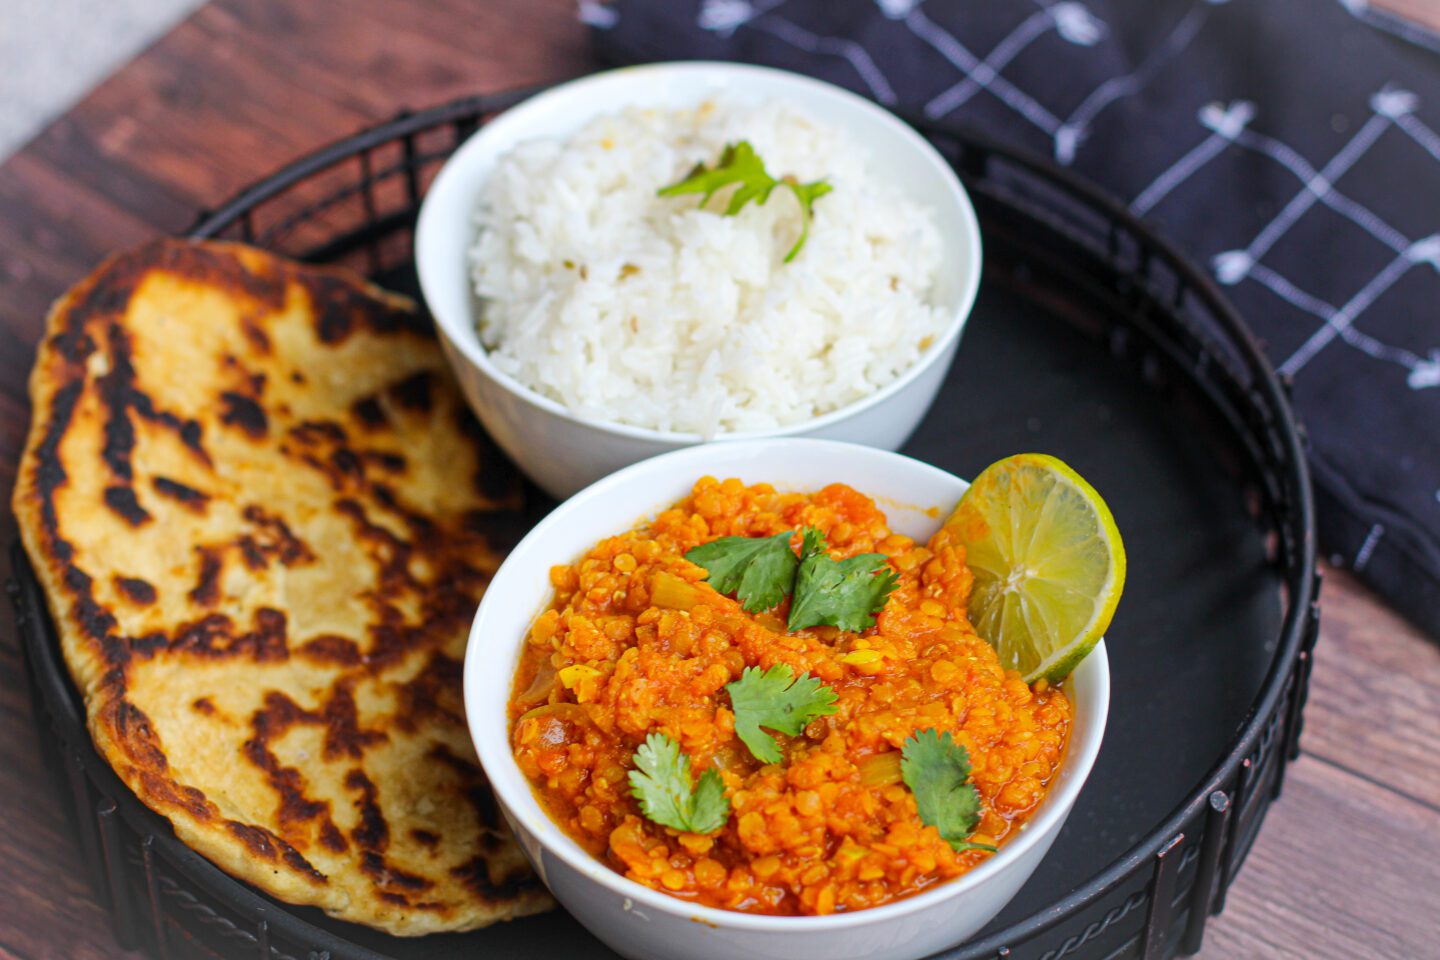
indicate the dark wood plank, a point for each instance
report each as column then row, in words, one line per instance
column 1424, row 12
column 1343, row 868
column 1375, row 693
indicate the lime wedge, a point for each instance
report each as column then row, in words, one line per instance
column 1048, row 563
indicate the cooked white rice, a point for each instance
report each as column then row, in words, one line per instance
column 629, row 307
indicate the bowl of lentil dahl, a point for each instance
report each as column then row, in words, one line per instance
column 694, row 779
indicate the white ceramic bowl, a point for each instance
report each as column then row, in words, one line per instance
column 562, row 451
column 639, row 922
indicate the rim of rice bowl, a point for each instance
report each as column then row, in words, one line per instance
column 466, row 336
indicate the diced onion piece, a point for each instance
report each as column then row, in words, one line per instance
column 568, row 712
column 880, row 769
column 582, row 680
column 771, row 622
column 576, row 673
column 673, row 593
column 540, row 687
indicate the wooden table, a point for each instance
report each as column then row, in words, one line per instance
column 1348, row 864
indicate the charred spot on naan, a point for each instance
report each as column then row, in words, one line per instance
column 181, row 493
column 136, row 589
column 244, row 413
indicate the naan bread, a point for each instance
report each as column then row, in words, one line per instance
column 257, row 504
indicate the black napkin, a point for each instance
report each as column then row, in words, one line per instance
column 1291, row 146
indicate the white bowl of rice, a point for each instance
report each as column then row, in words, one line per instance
column 593, row 322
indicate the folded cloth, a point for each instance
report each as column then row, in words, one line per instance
column 1291, row 146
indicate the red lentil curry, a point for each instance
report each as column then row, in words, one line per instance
column 636, row 643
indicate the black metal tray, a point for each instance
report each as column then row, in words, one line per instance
column 1092, row 339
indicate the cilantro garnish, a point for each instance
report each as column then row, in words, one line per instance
column 739, row 163
column 758, row 570
column 805, row 194
column 778, row 700
column 937, row 771
column 840, row 593
column 761, row 570
column 661, row 782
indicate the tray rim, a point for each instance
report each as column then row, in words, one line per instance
column 1297, row 630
